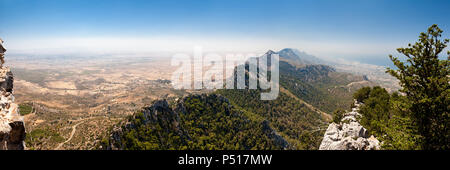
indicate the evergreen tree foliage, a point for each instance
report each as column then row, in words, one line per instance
column 362, row 94
column 425, row 82
column 338, row 114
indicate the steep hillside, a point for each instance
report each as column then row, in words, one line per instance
column 195, row 122
column 319, row 85
column 294, row 120
column 238, row 119
column 308, row 94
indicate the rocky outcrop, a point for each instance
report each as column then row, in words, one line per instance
column 348, row 134
column 271, row 133
column 12, row 127
column 159, row 113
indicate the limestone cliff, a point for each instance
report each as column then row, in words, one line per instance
column 12, row 128
column 348, row 134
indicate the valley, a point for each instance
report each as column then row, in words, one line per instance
column 92, row 94
column 77, row 101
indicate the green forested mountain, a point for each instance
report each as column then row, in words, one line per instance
column 238, row 119
column 319, row 85
column 295, row 121
column 195, row 122
column 306, row 92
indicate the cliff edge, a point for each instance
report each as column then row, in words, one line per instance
column 12, row 127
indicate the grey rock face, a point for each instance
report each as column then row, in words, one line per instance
column 271, row 133
column 348, row 135
column 12, row 127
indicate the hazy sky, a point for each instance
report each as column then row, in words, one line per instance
column 364, row 30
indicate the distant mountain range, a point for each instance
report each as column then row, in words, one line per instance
column 372, row 72
column 299, row 57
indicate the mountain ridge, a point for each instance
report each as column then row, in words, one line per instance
column 161, row 126
column 297, row 119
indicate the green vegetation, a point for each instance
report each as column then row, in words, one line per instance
column 415, row 118
column 376, row 110
column 338, row 115
column 38, row 135
column 25, row 108
column 419, row 118
column 248, row 122
column 318, row 85
column 425, row 82
column 34, row 76
column 222, row 127
column 198, row 123
column 362, row 94
column 384, row 116
column 40, row 76
column 91, row 71
column 292, row 119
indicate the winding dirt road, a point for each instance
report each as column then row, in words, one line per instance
column 74, row 129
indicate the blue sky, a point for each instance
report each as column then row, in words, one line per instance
column 363, row 30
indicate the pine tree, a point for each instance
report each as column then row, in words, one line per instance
column 425, row 82
column 338, row 114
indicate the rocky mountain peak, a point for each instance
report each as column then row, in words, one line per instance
column 12, row 128
column 270, row 52
column 299, row 57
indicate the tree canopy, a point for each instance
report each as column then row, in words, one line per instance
column 424, row 79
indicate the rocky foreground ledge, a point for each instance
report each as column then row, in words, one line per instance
column 348, row 134
column 12, row 127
